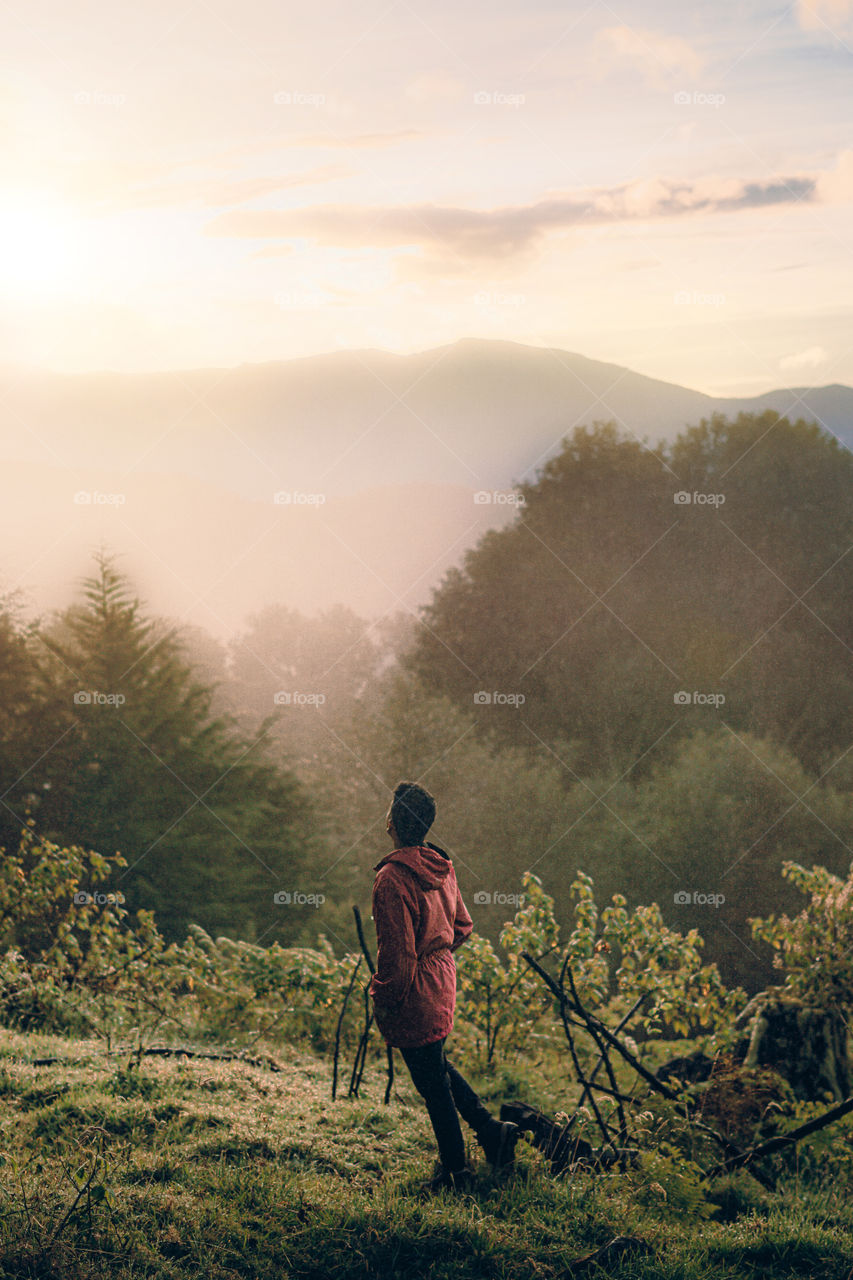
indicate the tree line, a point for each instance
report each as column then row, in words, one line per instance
column 650, row 690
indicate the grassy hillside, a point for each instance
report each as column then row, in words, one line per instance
column 215, row 1169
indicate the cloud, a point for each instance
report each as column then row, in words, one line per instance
column 511, row 230
column 808, row 359
column 657, row 57
column 818, row 15
column 835, row 186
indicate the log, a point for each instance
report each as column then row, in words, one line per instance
column 563, row 1151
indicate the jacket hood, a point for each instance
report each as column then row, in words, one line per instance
column 430, row 864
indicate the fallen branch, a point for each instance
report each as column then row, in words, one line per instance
column 608, row 1035
column 657, row 1085
column 165, row 1052
column 784, row 1140
column 587, row 1017
column 161, row 1051
column 628, row 1016
column 577, row 1066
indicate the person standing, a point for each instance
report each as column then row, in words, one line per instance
column 420, row 921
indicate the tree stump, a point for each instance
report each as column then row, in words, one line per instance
column 806, row 1045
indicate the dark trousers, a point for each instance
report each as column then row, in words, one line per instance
column 447, row 1095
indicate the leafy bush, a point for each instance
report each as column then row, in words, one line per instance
column 240, row 986
column 506, row 1002
column 76, row 963
column 73, row 960
column 815, row 948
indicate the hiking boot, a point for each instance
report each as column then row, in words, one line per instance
column 461, row 1180
column 498, row 1143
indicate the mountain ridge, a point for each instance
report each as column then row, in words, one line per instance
column 478, row 411
column 381, row 454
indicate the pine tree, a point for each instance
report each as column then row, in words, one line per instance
column 210, row 827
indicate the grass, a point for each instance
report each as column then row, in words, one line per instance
column 197, row 1168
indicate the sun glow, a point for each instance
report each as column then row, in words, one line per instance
column 43, row 248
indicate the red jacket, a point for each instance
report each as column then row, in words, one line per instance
column 420, row 919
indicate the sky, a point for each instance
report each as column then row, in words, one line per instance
column 666, row 187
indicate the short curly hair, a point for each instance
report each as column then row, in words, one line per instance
column 412, row 813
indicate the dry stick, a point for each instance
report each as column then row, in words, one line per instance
column 614, row 1093
column 340, row 1024
column 657, row 1085
column 175, row 1051
column 389, row 1084
column 361, row 1051
column 620, row 1110
column 628, row 1016
column 362, row 942
column 785, row 1139
column 629, row 1057
column 389, row 1052
column 163, row 1051
column 579, row 1073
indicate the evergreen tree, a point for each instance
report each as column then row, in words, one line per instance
column 210, row 828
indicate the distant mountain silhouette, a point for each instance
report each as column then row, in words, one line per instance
column 478, row 413
column 394, row 447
